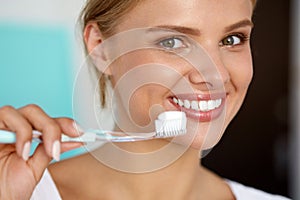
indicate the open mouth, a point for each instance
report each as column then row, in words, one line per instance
column 199, row 107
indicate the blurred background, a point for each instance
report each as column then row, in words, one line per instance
column 40, row 53
column 259, row 147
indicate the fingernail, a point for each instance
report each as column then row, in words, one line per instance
column 78, row 128
column 56, row 150
column 26, row 151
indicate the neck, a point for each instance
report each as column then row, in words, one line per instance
column 147, row 156
column 112, row 173
column 158, row 174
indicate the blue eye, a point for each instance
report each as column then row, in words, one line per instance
column 172, row 43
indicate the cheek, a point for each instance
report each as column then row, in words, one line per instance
column 241, row 70
column 138, row 105
column 245, row 74
column 142, row 102
column 134, row 109
column 241, row 73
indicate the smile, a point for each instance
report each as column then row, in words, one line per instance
column 201, row 108
column 203, row 105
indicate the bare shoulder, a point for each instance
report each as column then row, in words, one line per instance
column 74, row 175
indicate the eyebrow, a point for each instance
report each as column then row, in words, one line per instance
column 181, row 29
column 243, row 23
column 197, row 32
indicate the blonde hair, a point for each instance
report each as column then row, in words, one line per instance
column 108, row 14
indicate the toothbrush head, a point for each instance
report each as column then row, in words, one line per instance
column 170, row 124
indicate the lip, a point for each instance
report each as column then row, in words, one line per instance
column 200, row 116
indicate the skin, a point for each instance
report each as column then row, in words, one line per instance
column 87, row 178
column 234, row 63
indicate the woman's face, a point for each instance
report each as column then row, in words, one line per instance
column 222, row 28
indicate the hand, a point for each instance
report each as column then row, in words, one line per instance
column 19, row 173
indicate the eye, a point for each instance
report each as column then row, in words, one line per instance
column 172, row 43
column 233, row 40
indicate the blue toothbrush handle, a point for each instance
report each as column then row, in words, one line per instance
column 8, row 137
column 168, row 124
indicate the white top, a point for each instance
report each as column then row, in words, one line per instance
column 46, row 190
column 242, row 192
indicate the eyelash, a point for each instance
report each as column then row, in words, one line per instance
column 243, row 38
column 182, row 41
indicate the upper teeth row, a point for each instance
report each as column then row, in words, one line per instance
column 198, row 105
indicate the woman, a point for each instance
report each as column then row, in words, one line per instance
column 222, row 28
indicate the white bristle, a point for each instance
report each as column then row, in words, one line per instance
column 170, row 124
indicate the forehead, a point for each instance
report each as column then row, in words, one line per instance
column 195, row 13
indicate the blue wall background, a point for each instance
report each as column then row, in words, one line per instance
column 36, row 65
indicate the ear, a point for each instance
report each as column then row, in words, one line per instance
column 92, row 38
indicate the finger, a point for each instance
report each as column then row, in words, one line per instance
column 69, row 127
column 51, row 132
column 40, row 160
column 67, row 146
column 12, row 120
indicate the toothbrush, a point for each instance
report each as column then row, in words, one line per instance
column 168, row 124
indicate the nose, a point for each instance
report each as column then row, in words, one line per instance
column 209, row 72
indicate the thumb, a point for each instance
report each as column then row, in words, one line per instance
column 39, row 161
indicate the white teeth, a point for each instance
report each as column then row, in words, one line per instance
column 198, row 105
column 175, row 100
column 187, row 104
column 194, row 105
column 218, row 102
column 203, row 105
column 210, row 104
column 180, row 102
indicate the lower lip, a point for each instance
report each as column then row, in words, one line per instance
column 200, row 115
